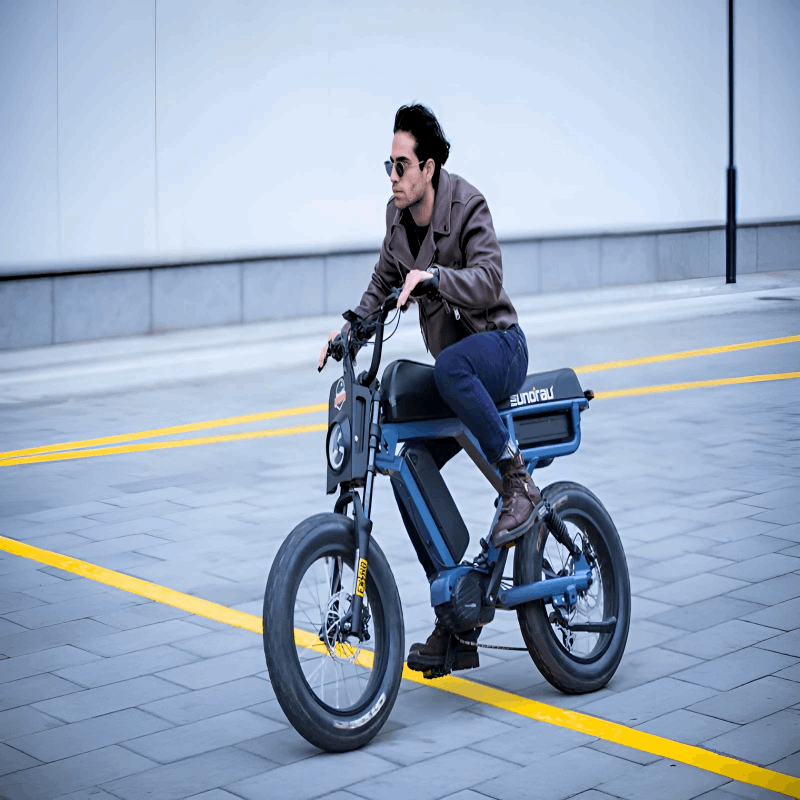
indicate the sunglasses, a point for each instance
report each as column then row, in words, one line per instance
column 400, row 166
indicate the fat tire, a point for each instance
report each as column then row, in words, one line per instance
column 567, row 673
column 330, row 730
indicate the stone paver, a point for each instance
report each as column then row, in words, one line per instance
column 736, row 669
column 189, row 776
column 76, row 632
column 433, row 777
column 722, row 639
column 663, row 780
column 106, row 699
column 79, row 772
column 687, row 726
column 221, row 669
column 788, row 643
column 302, row 781
column 707, row 613
column 212, row 701
column 122, row 697
column 213, row 733
column 102, row 672
column 130, row 641
column 12, row 669
column 12, row 760
column 567, row 774
column 82, row 737
column 20, row 721
column 27, row 691
column 437, row 736
column 751, row 701
column 764, row 741
column 783, row 616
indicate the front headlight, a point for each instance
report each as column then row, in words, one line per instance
column 337, row 447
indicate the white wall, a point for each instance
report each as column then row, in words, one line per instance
column 143, row 130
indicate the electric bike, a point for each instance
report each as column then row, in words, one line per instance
column 333, row 624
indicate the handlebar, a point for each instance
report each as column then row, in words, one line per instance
column 360, row 331
column 377, row 351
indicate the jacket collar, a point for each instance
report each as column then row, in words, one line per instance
column 440, row 220
column 442, row 204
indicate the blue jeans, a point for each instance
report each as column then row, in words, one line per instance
column 478, row 372
column 472, row 376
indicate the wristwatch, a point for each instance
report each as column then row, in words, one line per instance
column 434, row 282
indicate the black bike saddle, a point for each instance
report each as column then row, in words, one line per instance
column 409, row 393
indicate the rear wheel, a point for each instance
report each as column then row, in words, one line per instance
column 575, row 661
column 336, row 691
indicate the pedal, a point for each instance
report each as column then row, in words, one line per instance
column 435, row 672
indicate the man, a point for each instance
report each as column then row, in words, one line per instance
column 439, row 232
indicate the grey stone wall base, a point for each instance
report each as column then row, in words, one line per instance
column 37, row 311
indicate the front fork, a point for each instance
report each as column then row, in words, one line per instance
column 363, row 526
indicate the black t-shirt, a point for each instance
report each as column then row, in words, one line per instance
column 416, row 234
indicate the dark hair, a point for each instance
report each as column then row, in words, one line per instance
column 421, row 123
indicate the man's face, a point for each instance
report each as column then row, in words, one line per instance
column 409, row 190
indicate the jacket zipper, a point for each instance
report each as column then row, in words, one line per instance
column 423, row 319
column 447, row 309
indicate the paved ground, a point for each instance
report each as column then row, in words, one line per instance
column 106, row 694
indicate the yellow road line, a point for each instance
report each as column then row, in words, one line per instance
column 288, row 412
column 620, row 734
column 152, row 591
column 706, row 351
column 260, row 434
column 676, row 387
column 573, row 720
column 193, row 426
column 138, row 448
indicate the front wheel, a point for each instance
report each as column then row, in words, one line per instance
column 336, row 691
column 575, row 661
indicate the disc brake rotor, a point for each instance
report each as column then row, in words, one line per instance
column 331, row 633
column 587, row 598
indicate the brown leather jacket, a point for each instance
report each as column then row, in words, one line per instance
column 461, row 241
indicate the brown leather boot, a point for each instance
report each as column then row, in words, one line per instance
column 520, row 496
column 443, row 653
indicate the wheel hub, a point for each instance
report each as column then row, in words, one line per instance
column 332, row 632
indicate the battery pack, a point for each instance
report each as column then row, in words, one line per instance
column 439, row 500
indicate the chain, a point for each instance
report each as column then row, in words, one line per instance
column 485, row 646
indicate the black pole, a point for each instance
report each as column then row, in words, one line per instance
column 730, row 227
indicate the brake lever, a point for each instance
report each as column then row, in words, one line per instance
column 363, row 330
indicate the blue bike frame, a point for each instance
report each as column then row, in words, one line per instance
column 545, row 423
column 389, row 461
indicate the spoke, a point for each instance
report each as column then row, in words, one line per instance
column 330, row 668
column 313, row 673
column 314, row 625
column 317, row 566
column 347, row 690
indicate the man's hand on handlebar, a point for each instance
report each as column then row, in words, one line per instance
column 328, row 350
column 362, row 328
column 416, row 276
